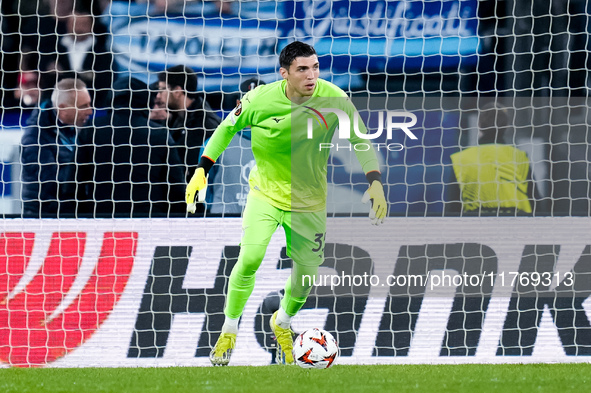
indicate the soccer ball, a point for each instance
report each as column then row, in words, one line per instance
column 315, row 348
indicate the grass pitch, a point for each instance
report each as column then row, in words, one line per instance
column 278, row 379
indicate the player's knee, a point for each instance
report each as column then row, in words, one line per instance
column 250, row 259
column 239, row 280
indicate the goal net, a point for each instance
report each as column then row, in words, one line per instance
column 477, row 112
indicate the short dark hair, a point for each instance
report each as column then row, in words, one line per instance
column 182, row 76
column 250, row 84
column 293, row 50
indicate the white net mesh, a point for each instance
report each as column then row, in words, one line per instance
column 434, row 50
column 499, row 90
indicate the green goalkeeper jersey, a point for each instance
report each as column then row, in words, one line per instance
column 290, row 143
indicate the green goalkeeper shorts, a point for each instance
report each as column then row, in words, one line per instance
column 304, row 231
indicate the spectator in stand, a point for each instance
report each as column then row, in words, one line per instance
column 27, row 91
column 126, row 167
column 48, row 150
column 177, row 6
column 82, row 52
column 30, row 30
column 165, row 6
column 492, row 178
column 224, row 6
column 158, row 112
column 192, row 121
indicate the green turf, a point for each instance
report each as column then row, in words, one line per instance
column 277, row 379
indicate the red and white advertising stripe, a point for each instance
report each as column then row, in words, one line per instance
column 140, row 293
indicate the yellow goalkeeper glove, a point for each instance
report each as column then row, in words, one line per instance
column 197, row 186
column 379, row 207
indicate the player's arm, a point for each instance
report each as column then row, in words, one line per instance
column 369, row 162
column 239, row 118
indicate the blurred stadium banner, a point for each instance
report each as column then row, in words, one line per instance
column 350, row 38
column 149, row 293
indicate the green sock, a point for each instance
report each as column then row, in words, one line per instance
column 291, row 304
column 297, row 288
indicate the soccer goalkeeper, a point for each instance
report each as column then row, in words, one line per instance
column 288, row 185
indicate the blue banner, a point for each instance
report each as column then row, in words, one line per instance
column 351, row 37
column 222, row 50
column 389, row 36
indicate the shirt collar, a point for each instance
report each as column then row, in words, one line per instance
column 69, row 42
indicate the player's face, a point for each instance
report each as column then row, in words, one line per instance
column 301, row 76
column 77, row 111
